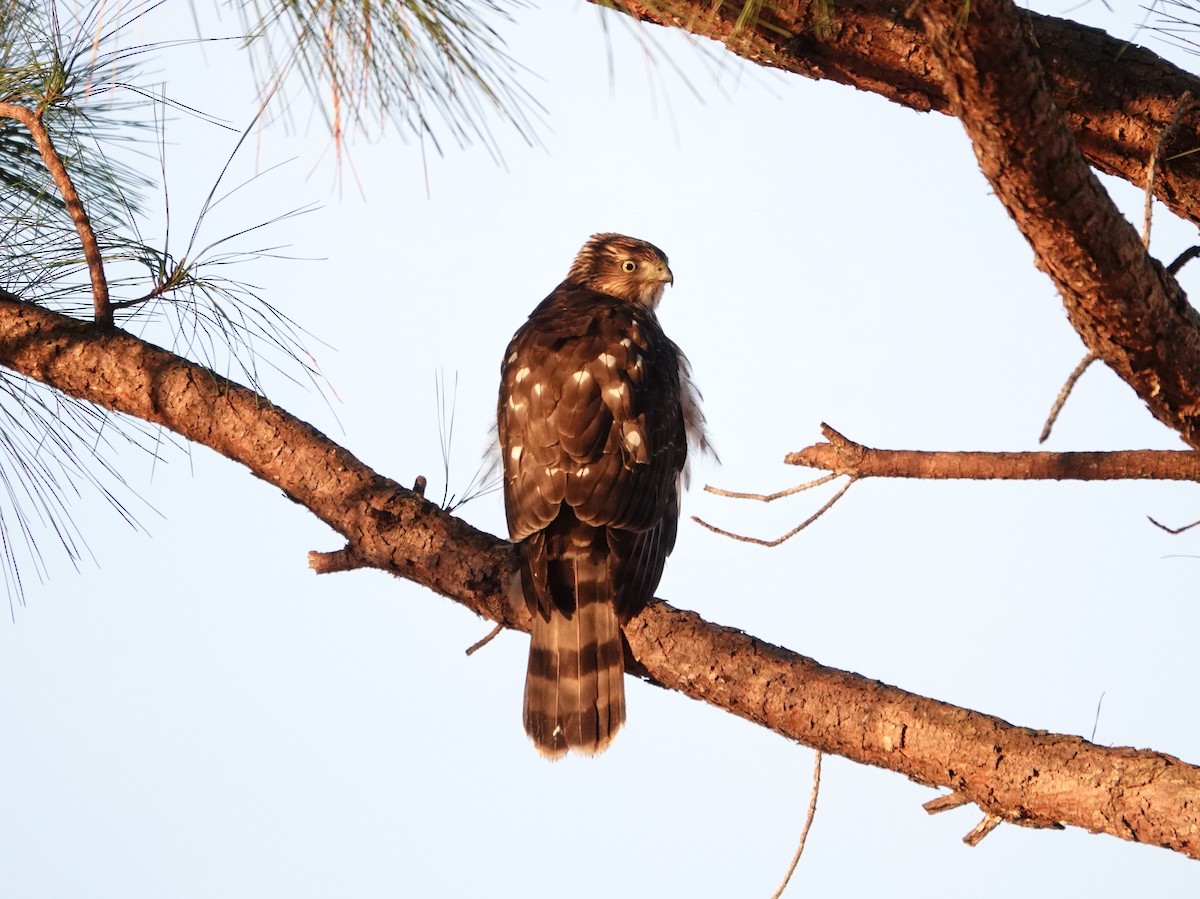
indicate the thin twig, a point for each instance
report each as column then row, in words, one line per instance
column 1185, row 102
column 771, row 497
column 83, row 225
column 167, row 284
column 1064, row 393
column 1186, row 527
column 1096, row 722
column 790, row 534
column 812, row 810
column 486, row 640
column 1183, row 259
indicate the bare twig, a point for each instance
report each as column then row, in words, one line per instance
column 771, row 497
column 1067, row 387
column 58, row 171
column 790, row 534
column 808, row 820
column 491, row 635
column 1185, row 102
column 1183, row 259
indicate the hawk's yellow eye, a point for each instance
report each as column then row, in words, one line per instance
column 628, row 265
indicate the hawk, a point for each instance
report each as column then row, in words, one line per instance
column 595, row 414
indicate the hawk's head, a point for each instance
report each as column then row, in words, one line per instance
column 622, row 267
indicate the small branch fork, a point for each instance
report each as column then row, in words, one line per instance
column 32, row 120
column 758, row 541
column 841, row 456
column 988, row 823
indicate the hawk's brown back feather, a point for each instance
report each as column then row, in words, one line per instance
column 593, row 423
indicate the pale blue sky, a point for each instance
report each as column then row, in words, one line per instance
column 198, row 715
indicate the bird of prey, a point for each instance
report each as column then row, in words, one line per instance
column 595, row 415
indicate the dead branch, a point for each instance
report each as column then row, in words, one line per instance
column 83, row 224
column 842, row 456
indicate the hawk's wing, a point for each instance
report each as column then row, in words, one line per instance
column 591, row 414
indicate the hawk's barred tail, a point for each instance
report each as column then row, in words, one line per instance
column 575, row 684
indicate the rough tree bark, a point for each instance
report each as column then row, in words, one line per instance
column 1116, row 97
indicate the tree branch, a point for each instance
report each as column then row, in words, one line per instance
column 1117, row 98
column 1019, row 775
column 83, row 225
column 842, row 456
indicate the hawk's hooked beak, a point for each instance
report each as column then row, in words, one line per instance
column 664, row 274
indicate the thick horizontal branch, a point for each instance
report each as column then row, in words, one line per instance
column 1024, row 776
column 842, row 456
column 1116, row 97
